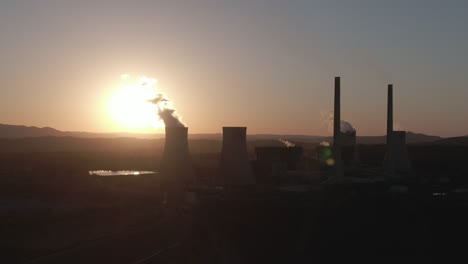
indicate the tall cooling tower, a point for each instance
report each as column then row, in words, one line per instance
column 176, row 166
column 235, row 168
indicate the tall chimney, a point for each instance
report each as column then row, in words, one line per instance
column 389, row 112
column 337, row 129
column 235, row 168
column 176, row 166
column 396, row 161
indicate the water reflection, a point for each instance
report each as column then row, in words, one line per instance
column 119, row 173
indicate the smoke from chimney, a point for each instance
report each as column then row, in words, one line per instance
column 327, row 119
column 346, row 127
column 287, row 143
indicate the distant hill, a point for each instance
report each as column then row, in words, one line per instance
column 74, row 144
column 411, row 138
column 453, row 141
column 14, row 131
column 11, row 131
column 420, row 138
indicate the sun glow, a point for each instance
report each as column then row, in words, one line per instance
column 130, row 108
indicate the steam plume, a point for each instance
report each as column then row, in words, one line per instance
column 287, row 143
column 166, row 110
column 327, row 119
column 345, row 126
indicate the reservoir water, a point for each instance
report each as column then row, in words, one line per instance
column 119, row 173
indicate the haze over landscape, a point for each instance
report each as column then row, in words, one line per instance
column 233, row 131
column 267, row 65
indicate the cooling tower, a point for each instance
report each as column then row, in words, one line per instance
column 176, row 166
column 337, row 130
column 235, row 168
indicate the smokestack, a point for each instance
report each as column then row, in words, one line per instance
column 336, row 113
column 389, row 112
column 337, row 129
column 235, row 168
column 389, row 162
column 176, row 166
column 396, row 159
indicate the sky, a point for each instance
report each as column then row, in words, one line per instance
column 268, row 65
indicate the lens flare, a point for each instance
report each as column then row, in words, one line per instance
column 130, row 107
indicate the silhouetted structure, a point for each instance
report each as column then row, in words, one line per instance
column 396, row 159
column 348, row 149
column 273, row 163
column 337, row 131
column 401, row 163
column 389, row 111
column 176, row 166
column 235, row 168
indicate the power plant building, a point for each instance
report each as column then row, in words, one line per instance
column 396, row 159
column 272, row 164
column 348, row 149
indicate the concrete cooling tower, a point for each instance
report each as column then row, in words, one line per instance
column 176, row 166
column 235, row 168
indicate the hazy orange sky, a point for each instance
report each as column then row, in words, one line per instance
column 267, row 65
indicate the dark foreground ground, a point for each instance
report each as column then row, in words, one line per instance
column 334, row 224
column 53, row 211
column 262, row 225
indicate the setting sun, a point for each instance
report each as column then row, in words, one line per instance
column 129, row 105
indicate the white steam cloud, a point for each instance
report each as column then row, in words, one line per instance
column 287, row 143
column 166, row 111
column 327, row 120
column 345, row 126
column 164, row 107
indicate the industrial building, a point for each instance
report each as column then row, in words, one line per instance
column 272, row 164
column 277, row 165
column 396, row 161
column 349, row 151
